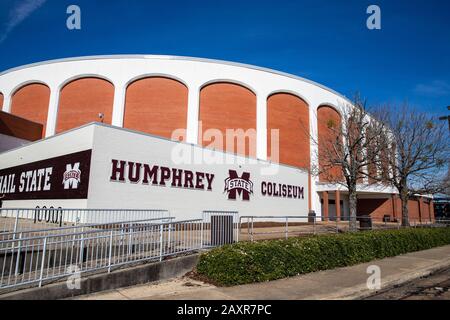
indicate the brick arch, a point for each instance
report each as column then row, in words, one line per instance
column 226, row 105
column 290, row 115
column 31, row 102
column 327, row 115
column 156, row 105
column 82, row 100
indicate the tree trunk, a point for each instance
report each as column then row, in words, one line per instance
column 353, row 200
column 405, row 214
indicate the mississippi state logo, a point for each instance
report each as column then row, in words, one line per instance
column 72, row 176
column 235, row 185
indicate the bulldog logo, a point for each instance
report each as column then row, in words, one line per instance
column 235, row 185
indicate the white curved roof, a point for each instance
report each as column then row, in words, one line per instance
column 169, row 57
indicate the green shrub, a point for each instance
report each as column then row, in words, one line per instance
column 247, row 262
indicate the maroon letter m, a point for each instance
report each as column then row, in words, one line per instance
column 233, row 192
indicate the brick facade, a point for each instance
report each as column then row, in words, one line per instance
column 419, row 210
column 290, row 115
column 327, row 119
column 31, row 102
column 156, row 106
column 82, row 100
column 228, row 106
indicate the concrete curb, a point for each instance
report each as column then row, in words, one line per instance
column 108, row 281
column 361, row 292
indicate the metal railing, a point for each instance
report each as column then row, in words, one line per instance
column 273, row 226
column 18, row 219
column 220, row 228
column 75, row 229
column 443, row 221
column 30, row 256
column 39, row 256
column 253, row 228
column 37, row 260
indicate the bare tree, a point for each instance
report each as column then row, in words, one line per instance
column 348, row 148
column 419, row 151
column 446, row 183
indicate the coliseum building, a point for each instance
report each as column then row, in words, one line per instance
column 156, row 95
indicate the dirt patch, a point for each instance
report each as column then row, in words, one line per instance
column 194, row 275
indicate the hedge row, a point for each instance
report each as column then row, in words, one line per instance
column 247, row 262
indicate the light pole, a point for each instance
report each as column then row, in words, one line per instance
column 448, row 119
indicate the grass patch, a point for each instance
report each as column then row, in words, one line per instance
column 247, row 262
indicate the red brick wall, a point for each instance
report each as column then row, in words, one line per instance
column 426, row 211
column 290, row 115
column 413, row 210
column 157, row 106
column 376, row 208
column 325, row 115
column 82, row 100
column 431, row 208
column 228, row 106
column 31, row 102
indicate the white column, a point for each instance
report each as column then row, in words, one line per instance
column 314, row 136
column 119, row 104
column 52, row 111
column 7, row 102
column 261, row 126
column 193, row 114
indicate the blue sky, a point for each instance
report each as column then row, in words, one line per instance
column 325, row 41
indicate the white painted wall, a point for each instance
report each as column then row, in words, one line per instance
column 67, row 143
column 184, row 203
column 110, row 143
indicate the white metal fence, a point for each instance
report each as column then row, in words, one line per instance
column 16, row 220
column 30, row 256
column 33, row 257
column 219, row 228
column 4, row 237
column 36, row 260
column 253, row 228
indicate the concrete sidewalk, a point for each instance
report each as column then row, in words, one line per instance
column 342, row 283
